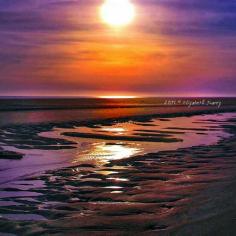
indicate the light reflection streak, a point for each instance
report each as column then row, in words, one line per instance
column 104, row 152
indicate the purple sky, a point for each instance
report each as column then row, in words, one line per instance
column 173, row 47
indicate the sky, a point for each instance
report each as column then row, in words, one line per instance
column 172, row 48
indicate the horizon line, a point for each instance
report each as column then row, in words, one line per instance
column 115, row 97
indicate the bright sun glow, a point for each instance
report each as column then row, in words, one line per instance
column 117, row 12
column 116, row 97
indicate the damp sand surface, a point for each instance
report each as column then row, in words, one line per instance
column 116, row 177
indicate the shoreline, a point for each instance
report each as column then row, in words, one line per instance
column 29, row 132
column 152, row 212
column 145, row 117
column 36, row 128
column 182, row 207
column 53, row 103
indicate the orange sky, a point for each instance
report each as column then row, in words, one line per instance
column 75, row 53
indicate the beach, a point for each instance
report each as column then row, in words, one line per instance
column 117, row 118
column 154, row 174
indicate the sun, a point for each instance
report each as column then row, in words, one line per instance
column 117, row 12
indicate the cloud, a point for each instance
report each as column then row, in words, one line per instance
column 41, row 35
column 192, row 18
column 196, row 5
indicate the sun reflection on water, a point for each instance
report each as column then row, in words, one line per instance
column 115, row 130
column 118, row 179
column 107, row 152
column 116, row 152
column 97, row 149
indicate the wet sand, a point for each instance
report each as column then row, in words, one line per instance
column 188, row 191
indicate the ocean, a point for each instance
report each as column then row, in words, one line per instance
column 19, row 110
